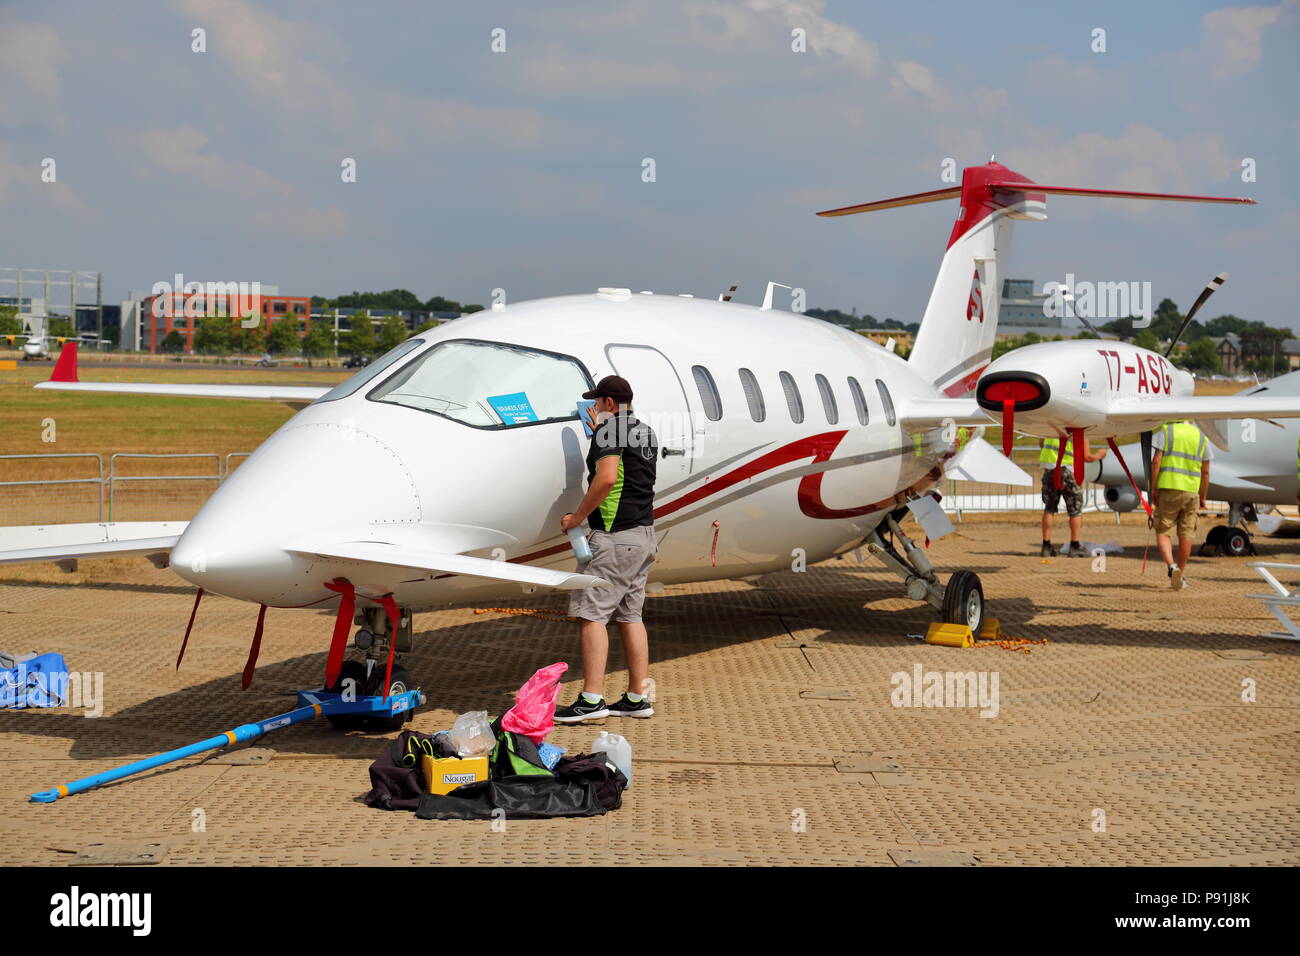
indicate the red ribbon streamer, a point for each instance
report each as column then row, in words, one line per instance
column 390, row 608
column 251, row 665
column 342, row 624
column 1129, row 475
column 188, row 627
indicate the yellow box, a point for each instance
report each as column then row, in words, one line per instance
column 445, row 774
column 8, row 365
column 950, row 635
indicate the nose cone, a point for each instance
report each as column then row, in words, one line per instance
column 323, row 482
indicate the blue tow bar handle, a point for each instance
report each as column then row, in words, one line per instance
column 313, row 704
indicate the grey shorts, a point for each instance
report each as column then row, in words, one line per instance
column 1069, row 491
column 624, row 559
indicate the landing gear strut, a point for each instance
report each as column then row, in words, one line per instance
column 961, row 602
column 366, row 677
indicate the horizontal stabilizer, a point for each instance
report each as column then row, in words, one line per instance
column 934, row 195
column 68, row 542
column 917, row 414
column 980, row 461
column 419, row 559
column 1113, row 193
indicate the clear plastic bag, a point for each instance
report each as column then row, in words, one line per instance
column 471, row 734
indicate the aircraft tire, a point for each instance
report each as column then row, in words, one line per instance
column 963, row 600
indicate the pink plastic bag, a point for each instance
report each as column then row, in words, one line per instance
column 533, row 714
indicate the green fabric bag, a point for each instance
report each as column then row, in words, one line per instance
column 518, row 757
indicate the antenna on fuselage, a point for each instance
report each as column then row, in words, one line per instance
column 767, row 296
column 726, row 296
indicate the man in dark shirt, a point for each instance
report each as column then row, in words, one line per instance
column 619, row 506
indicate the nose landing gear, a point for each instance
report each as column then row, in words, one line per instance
column 960, row 602
column 365, row 678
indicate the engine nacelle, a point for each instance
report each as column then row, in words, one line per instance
column 1121, row 498
column 1052, row 387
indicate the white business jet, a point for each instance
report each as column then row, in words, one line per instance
column 437, row 475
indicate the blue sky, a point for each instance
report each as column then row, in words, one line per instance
column 522, row 169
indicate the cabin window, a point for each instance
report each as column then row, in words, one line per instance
column 488, row 384
column 888, row 402
column 349, row 385
column 708, row 392
column 792, row 397
column 859, row 400
column 753, row 395
column 828, row 400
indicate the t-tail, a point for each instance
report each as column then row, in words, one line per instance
column 955, row 341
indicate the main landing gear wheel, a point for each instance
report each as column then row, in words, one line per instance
column 963, row 600
column 1235, row 542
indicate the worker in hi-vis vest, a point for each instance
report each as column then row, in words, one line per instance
column 1180, row 478
column 1069, row 490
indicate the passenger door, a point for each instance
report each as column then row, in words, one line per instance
column 659, row 400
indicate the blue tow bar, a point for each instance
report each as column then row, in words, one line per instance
column 311, row 704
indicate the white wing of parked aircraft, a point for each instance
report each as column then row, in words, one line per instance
column 65, row 379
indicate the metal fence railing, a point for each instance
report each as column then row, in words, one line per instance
column 52, row 493
column 53, row 489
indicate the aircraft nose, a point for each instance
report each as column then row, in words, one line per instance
column 320, row 482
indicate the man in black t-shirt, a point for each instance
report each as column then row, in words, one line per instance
column 619, row 506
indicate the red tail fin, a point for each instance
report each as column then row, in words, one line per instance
column 65, row 369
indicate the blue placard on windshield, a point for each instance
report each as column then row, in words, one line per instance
column 514, row 409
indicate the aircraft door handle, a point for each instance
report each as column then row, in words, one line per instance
column 673, row 451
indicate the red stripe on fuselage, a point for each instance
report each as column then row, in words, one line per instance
column 965, row 384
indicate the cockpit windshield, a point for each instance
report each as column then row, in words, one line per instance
column 351, row 384
column 488, row 384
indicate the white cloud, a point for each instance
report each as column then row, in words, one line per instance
column 1141, row 158
column 30, row 57
column 182, row 152
column 1233, row 38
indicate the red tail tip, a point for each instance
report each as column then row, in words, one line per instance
column 65, row 369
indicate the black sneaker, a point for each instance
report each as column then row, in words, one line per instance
column 1048, row 551
column 580, row 710
column 626, row 708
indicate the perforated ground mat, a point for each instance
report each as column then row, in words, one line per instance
column 1153, row 728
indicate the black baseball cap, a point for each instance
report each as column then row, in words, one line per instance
column 611, row 386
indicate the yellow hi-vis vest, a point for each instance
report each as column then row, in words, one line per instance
column 1047, row 454
column 1180, row 462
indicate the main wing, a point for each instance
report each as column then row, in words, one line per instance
column 1258, row 405
column 65, row 543
column 421, row 559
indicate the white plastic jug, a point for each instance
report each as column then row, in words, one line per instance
column 616, row 750
column 581, row 547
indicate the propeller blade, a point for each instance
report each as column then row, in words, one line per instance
column 1077, row 435
column 1209, row 290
